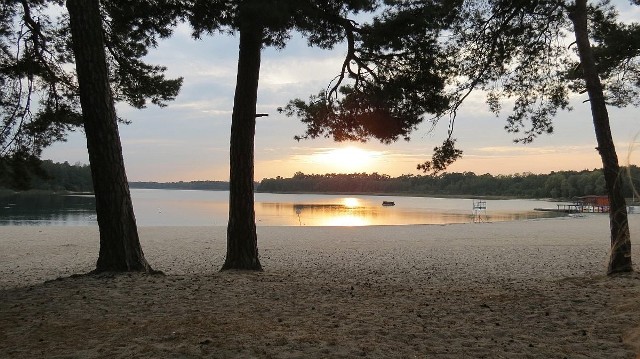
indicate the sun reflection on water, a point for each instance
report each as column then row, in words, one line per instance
column 353, row 211
column 210, row 208
column 351, row 202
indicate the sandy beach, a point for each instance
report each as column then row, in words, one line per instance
column 526, row 289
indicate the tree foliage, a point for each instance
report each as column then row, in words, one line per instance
column 39, row 99
column 616, row 48
column 392, row 77
column 37, row 102
column 522, row 53
column 50, row 176
column 442, row 157
column 517, row 52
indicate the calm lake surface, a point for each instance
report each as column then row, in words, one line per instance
column 155, row 207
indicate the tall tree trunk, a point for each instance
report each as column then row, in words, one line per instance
column 242, row 241
column 120, row 248
column 620, row 260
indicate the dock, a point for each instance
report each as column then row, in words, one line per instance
column 574, row 208
column 586, row 204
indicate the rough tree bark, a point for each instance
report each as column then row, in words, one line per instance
column 120, row 248
column 242, row 241
column 620, row 260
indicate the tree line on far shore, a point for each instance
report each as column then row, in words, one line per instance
column 46, row 176
column 561, row 184
column 60, row 177
column 190, row 185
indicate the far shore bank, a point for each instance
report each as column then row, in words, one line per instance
column 410, row 194
column 7, row 192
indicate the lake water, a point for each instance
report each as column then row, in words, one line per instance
column 154, row 207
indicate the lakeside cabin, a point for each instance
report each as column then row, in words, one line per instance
column 586, row 204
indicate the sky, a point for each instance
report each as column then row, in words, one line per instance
column 189, row 139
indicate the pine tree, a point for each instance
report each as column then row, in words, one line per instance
column 511, row 49
column 37, row 71
column 524, row 51
column 120, row 248
column 385, row 85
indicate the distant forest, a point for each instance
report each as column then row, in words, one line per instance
column 195, row 185
column 53, row 176
column 563, row 184
column 46, row 176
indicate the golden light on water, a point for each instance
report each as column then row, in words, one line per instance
column 354, row 211
column 351, row 202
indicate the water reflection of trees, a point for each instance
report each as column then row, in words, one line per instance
column 336, row 214
column 321, row 214
column 21, row 208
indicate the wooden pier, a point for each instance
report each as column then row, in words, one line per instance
column 586, row 204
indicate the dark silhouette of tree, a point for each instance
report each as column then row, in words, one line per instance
column 517, row 51
column 385, row 85
column 513, row 50
column 242, row 240
column 258, row 25
column 42, row 49
column 620, row 258
column 120, row 248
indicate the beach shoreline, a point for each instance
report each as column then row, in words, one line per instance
column 527, row 289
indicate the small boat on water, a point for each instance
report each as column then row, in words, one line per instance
column 388, row 203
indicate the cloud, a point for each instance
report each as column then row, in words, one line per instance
column 279, row 72
column 516, row 151
column 161, row 142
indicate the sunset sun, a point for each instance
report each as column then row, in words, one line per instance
column 348, row 159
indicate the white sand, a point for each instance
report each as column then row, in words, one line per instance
column 530, row 289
